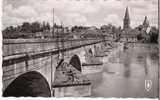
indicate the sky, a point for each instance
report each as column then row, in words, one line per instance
column 79, row 12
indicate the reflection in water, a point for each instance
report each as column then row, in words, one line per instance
column 125, row 73
column 126, row 65
column 140, row 58
column 146, row 70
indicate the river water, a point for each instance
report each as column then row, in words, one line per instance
column 126, row 72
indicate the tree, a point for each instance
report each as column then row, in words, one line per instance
column 139, row 28
column 153, row 35
column 9, row 32
column 26, row 27
column 25, row 30
column 139, row 37
column 48, row 26
column 36, row 27
column 43, row 27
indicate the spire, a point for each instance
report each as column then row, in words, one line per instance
column 146, row 22
column 126, row 14
column 126, row 23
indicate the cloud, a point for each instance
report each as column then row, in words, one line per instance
column 24, row 12
column 75, row 18
column 43, row 9
column 14, row 16
column 78, row 12
column 139, row 3
column 112, row 4
column 8, row 21
column 141, row 8
column 113, row 19
column 81, row 6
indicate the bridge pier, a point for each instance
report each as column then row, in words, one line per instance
column 69, row 81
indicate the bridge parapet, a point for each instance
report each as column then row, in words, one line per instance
column 22, row 46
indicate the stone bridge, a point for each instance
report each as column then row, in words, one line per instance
column 29, row 65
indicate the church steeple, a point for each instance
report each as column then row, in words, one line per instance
column 146, row 22
column 126, row 21
column 126, row 13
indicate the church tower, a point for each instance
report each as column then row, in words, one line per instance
column 145, row 23
column 126, row 21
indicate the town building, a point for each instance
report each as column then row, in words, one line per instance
column 129, row 36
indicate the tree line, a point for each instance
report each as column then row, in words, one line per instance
column 24, row 30
column 27, row 30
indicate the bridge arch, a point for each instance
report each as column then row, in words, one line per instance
column 31, row 84
column 75, row 62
